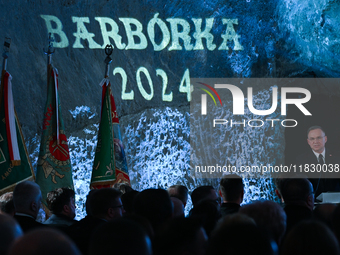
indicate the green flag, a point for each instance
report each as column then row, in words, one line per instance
column 54, row 164
column 109, row 165
column 15, row 165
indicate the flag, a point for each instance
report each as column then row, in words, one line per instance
column 54, row 164
column 15, row 165
column 110, row 166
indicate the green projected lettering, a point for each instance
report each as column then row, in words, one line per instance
column 172, row 33
column 184, row 86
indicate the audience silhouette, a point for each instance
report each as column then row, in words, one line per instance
column 152, row 221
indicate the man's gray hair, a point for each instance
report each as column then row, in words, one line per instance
column 25, row 193
column 315, row 127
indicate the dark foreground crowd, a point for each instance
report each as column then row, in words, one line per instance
column 124, row 221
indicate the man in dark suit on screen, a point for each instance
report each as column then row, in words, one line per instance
column 316, row 139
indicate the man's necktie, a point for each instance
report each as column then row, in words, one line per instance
column 321, row 159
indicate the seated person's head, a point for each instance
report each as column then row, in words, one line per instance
column 238, row 235
column 336, row 222
column 27, row 198
column 127, row 200
column 298, row 191
column 232, row 189
column 269, row 217
column 180, row 192
column 120, row 236
column 178, row 207
column 7, row 204
column 155, row 205
column 106, row 204
column 143, row 222
column 208, row 212
column 235, row 219
column 204, row 192
column 89, row 201
column 324, row 213
column 61, row 202
column 10, row 231
column 310, row 238
column 181, row 236
column 44, row 241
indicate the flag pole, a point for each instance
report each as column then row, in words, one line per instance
column 54, row 168
column 109, row 165
column 108, row 59
column 7, row 44
column 50, row 49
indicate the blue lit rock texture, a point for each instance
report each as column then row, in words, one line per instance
column 161, row 158
column 279, row 39
column 310, row 30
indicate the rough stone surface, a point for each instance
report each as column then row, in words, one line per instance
column 310, row 30
column 279, row 38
